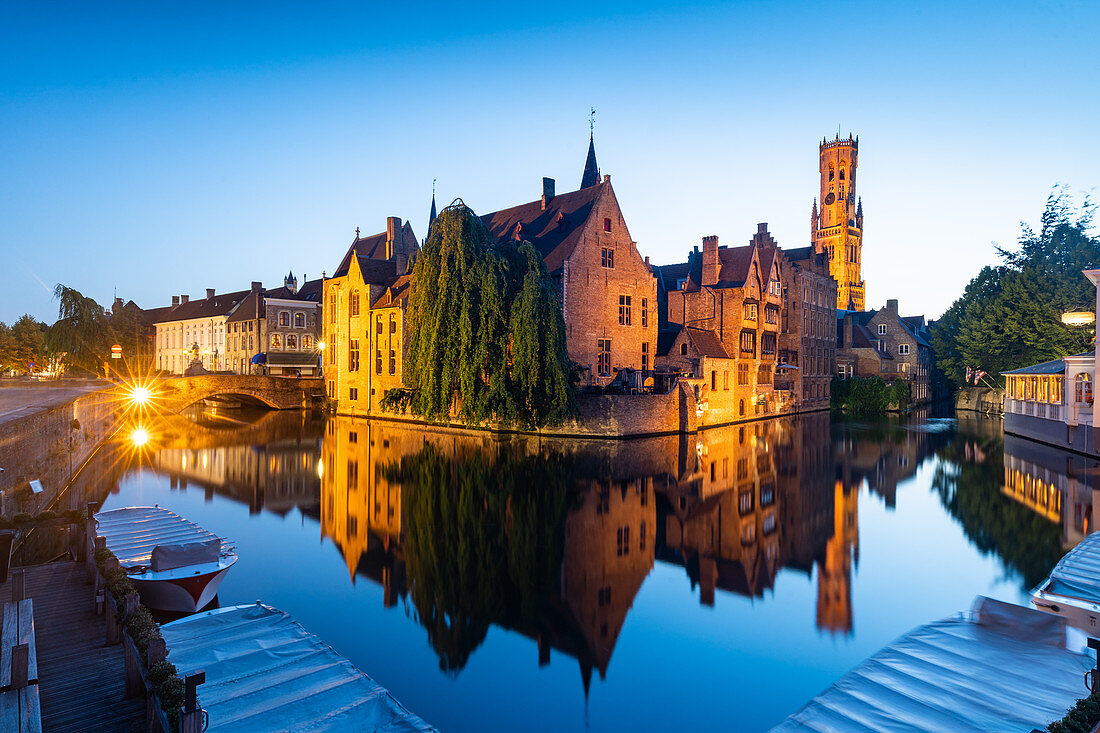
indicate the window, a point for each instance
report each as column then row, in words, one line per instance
column 603, row 357
column 771, row 315
column 903, row 349
column 331, row 309
column 1082, row 389
column 842, row 174
column 882, row 329
column 607, row 225
column 353, row 393
column 332, row 352
column 607, row 257
column 332, row 390
column 645, row 357
column 393, row 325
column 764, row 374
column 393, row 361
column 741, row 408
column 307, row 342
column 645, row 312
column 767, row 343
column 378, row 327
column 622, row 543
column 291, row 342
column 743, row 374
column 713, row 379
column 284, row 319
column 725, row 379
column 353, row 355
column 745, row 502
column 353, row 303
column 378, row 361
column 624, row 310
column 299, row 320
column 750, row 311
column 748, row 343
column 831, row 173
column 276, row 342
column 683, row 349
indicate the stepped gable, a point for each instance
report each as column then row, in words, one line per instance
column 554, row 230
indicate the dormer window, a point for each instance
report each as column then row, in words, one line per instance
column 882, row 329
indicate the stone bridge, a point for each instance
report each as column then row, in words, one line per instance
column 174, row 394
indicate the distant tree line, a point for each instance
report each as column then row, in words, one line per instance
column 868, row 395
column 1009, row 316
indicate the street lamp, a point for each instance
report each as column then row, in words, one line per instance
column 1078, row 318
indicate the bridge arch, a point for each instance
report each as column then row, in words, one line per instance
column 175, row 394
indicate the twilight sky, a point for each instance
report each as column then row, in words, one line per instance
column 167, row 148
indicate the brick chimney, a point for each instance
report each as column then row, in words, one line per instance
column 257, row 286
column 118, row 303
column 184, row 299
column 892, row 307
column 393, row 236
column 710, row 260
column 209, row 293
column 547, row 192
column 175, row 301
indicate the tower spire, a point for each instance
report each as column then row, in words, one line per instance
column 591, row 175
column 431, row 216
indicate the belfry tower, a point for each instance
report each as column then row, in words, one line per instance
column 837, row 228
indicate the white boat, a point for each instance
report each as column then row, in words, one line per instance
column 1072, row 590
column 176, row 565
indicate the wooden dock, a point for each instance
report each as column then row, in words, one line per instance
column 81, row 681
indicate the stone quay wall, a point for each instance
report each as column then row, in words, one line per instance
column 38, row 447
column 981, row 399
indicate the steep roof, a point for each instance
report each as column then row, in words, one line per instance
column 799, row 254
column 373, row 247
column 591, row 175
column 310, row 291
column 394, row 292
column 555, row 231
column 706, row 342
column 249, row 309
column 670, row 275
column 219, row 305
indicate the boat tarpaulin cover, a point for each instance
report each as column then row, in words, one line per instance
column 264, row 672
column 134, row 532
column 167, row 557
column 1077, row 574
column 1000, row 667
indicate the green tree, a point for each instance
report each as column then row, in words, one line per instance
column 23, row 343
column 486, row 334
column 82, row 331
column 1009, row 316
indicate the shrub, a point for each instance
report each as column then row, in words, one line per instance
column 1081, row 719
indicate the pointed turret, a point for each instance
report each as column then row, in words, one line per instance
column 431, row 216
column 813, row 220
column 591, row 170
column 859, row 213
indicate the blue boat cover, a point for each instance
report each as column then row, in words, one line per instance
column 1077, row 574
column 1000, row 667
column 134, row 532
column 264, row 672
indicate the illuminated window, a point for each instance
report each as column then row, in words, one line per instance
column 299, row 320
column 353, row 303
column 353, row 355
column 603, row 357
column 276, row 342
column 291, row 342
column 284, row 319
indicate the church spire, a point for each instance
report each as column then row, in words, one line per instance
column 591, row 170
column 431, row 216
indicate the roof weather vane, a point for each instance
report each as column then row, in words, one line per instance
column 592, row 122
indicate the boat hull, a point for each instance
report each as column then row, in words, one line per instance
column 1078, row 613
column 181, row 595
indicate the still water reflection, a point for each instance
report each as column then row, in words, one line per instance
column 719, row 579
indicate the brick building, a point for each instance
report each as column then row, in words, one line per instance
column 884, row 344
column 608, row 292
column 807, row 343
column 364, row 318
column 837, row 229
column 193, row 331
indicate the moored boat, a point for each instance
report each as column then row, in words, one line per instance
column 175, row 564
column 1072, row 590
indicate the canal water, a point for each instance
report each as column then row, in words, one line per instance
column 686, row 582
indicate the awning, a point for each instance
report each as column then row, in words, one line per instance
column 259, row 359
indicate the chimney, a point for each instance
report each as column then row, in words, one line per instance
column 847, row 344
column 257, row 286
column 762, row 228
column 209, row 293
column 607, row 179
column 118, row 303
column 175, row 301
column 393, row 232
column 892, row 306
column 710, row 260
column 547, row 192
column 184, row 299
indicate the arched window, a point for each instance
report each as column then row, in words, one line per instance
column 683, row 349
column 831, row 173
column 353, row 303
column 741, row 408
column 842, row 173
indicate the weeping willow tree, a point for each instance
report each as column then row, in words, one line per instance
column 82, row 330
column 484, row 541
column 486, row 334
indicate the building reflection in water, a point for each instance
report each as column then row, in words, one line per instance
column 443, row 520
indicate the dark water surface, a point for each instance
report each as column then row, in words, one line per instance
column 688, row 582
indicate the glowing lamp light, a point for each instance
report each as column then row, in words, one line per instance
column 140, row 395
column 320, row 468
column 1078, row 318
column 139, row 437
column 321, row 345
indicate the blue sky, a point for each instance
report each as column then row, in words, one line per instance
column 167, row 149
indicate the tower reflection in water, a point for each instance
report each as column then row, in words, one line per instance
column 554, row 539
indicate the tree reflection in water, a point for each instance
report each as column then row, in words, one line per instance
column 483, row 542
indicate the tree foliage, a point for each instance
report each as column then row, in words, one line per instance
column 85, row 331
column 869, row 395
column 23, row 344
column 486, row 334
column 1009, row 316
